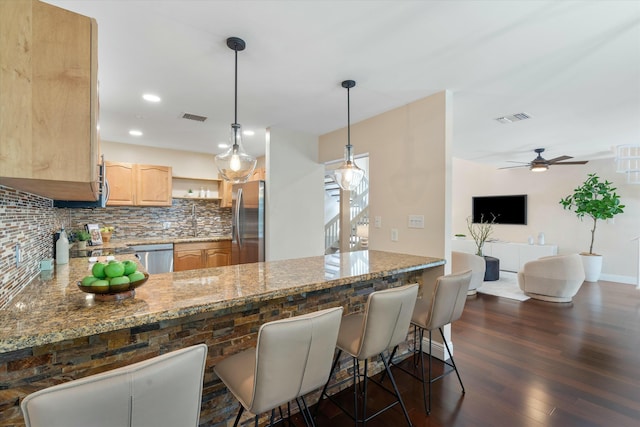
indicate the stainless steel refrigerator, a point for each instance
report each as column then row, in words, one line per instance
column 247, row 243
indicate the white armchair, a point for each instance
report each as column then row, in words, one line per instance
column 555, row 278
column 462, row 261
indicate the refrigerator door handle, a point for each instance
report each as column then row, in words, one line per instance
column 237, row 214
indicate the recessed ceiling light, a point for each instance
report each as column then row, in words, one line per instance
column 223, row 145
column 248, row 133
column 151, row 97
column 135, row 132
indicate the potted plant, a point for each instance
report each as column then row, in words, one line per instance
column 106, row 232
column 480, row 232
column 597, row 200
column 82, row 236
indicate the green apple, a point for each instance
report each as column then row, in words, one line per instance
column 138, row 275
column 88, row 280
column 119, row 280
column 130, row 267
column 114, row 269
column 100, row 283
column 98, row 270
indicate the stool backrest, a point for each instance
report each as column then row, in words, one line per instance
column 447, row 299
column 293, row 357
column 386, row 320
column 164, row 391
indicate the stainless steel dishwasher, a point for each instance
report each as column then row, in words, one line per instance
column 155, row 258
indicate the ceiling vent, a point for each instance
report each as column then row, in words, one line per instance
column 513, row 118
column 195, row 117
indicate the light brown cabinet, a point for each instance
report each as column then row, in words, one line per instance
column 191, row 256
column 49, row 102
column 226, row 188
column 138, row 185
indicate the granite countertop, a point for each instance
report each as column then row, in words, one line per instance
column 53, row 309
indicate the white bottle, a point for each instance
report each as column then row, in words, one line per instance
column 541, row 238
column 62, row 248
column 202, row 193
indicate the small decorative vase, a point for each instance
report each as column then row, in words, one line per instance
column 82, row 244
column 105, row 237
column 531, row 240
column 541, row 238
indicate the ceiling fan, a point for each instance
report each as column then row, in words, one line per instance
column 540, row 164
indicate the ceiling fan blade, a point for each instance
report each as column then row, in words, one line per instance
column 511, row 167
column 559, row 159
column 582, row 162
column 513, row 161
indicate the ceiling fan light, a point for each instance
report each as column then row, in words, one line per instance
column 538, row 167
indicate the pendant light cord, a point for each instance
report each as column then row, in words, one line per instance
column 235, row 114
column 349, row 120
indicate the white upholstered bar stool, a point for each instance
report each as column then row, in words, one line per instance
column 442, row 303
column 292, row 358
column 383, row 325
column 164, row 391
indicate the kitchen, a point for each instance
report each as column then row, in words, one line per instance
column 28, row 221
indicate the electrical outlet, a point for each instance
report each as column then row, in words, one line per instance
column 378, row 222
column 18, row 252
column 166, row 225
column 394, row 234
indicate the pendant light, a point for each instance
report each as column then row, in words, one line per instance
column 348, row 175
column 235, row 165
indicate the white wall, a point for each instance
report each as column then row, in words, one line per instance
column 544, row 190
column 409, row 163
column 295, row 196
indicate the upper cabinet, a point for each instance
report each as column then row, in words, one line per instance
column 226, row 188
column 138, row 185
column 49, row 104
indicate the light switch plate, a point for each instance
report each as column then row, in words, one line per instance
column 416, row 221
column 378, row 222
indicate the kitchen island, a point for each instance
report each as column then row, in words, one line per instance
column 52, row 332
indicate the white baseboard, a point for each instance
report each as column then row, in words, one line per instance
column 629, row 280
column 437, row 348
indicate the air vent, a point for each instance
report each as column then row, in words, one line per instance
column 513, row 118
column 195, row 117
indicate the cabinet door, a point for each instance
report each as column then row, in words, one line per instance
column 258, row 174
column 187, row 259
column 48, row 108
column 225, row 190
column 217, row 257
column 153, row 185
column 121, row 178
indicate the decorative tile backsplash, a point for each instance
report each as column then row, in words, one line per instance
column 30, row 221
column 185, row 217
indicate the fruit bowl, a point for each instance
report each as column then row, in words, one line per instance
column 113, row 289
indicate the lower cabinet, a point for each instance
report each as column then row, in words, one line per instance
column 191, row 256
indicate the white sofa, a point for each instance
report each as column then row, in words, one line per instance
column 555, row 278
column 462, row 261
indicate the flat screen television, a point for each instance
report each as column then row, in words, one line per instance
column 511, row 209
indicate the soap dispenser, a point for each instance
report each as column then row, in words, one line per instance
column 62, row 248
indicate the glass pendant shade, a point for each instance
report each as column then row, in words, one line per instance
column 348, row 175
column 235, row 165
column 538, row 167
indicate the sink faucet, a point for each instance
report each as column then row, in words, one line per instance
column 194, row 221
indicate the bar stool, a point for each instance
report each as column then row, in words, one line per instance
column 292, row 358
column 441, row 303
column 383, row 325
column 164, row 391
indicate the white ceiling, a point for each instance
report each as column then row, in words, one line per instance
column 574, row 66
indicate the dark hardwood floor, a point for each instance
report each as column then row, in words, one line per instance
column 532, row 363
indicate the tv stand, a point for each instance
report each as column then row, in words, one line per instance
column 512, row 256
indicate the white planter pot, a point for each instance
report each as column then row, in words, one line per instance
column 592, row 267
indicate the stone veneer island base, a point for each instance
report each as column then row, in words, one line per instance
column 52, row 332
